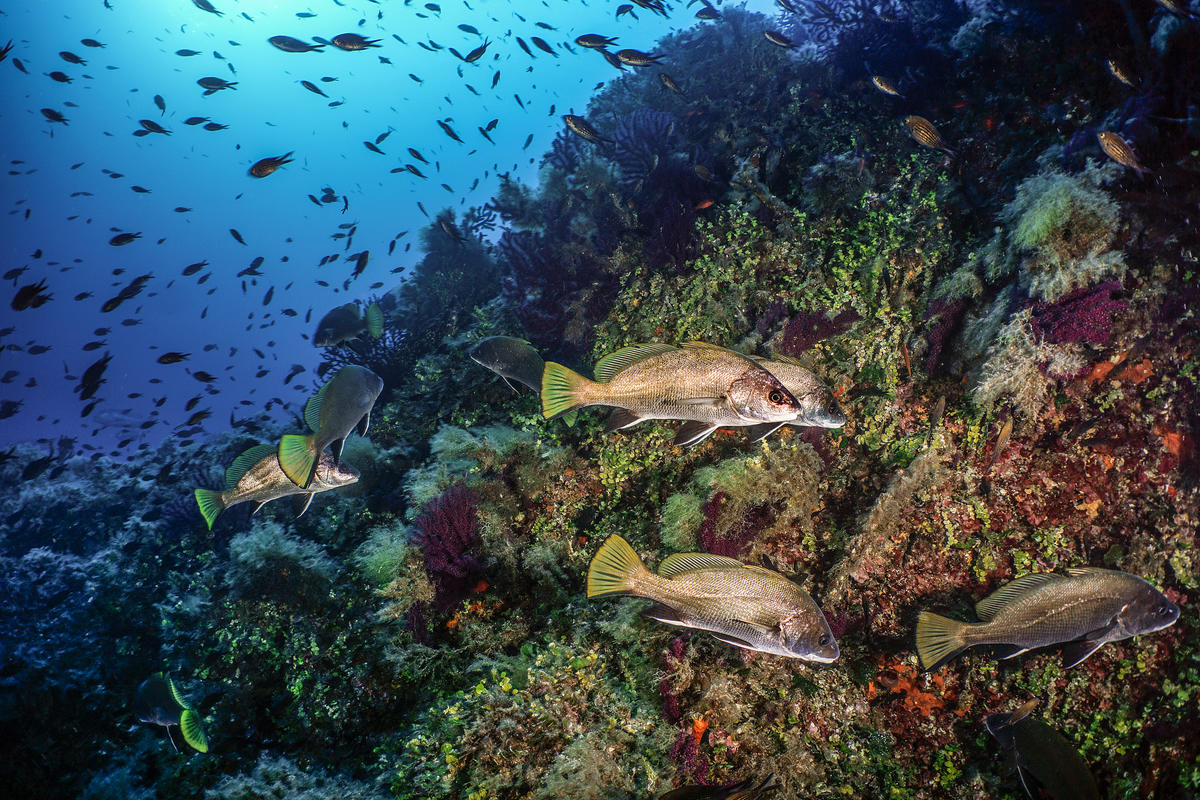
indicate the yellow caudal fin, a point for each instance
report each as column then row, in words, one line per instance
column 560, row 389
column 613, row 568
column 193, row 731
column 298, row 458
column 210, row 504
column 939, row 639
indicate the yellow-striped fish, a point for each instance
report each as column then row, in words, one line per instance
column 1119, row 151
column 886, row 86
column 925, row 133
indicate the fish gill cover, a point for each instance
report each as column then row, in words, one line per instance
column 951, row 244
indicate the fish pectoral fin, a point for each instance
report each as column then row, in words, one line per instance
column 663, row 613
column 759, row 432
column 171, row 738
column 620, row 419
column 364, row 423
column 1076, row 652
column 692, row 433
column 730, row 639
column 301, row 502
column 1007, row 651
column 702, row 402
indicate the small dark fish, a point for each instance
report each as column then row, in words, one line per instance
column 124, row 238
column 708, row 13
column 541, row 44
column 32, row 295
column 61, row 77
column 214, row 126
column 158, row 702
column 204, row 5
column 595, row 41
column 160, row 103
column 668, row 82
column 173, row 357
column 71, row 58
column 581, row 128
column 352, row 41
column 1046, row 763
column 187, row 53
column 510, row 358
column 289, row 44
column 90, row 43
column 1119, row 150
column 371, row 146
column 636, row 58
column 51, row 114
column 237, row 236
column 151, row 126
column 778, row 39
column 884, row 85
column 212, row 84
column 265, row 166
column 924, row 133
column 449, row 131
column 625, row 8
column 525, row 47
column 312, row 87
column 477, row 53
column 195, row 120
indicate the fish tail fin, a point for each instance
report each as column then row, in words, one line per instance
column 210, row 503
column 298, row 458
column 939, row 639
column 613, row 569
column 193, row 732
column 374, row 318
column 561, row 389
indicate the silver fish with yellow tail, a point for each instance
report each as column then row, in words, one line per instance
column 742, row 605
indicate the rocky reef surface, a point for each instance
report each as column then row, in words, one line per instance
column 1012, row 330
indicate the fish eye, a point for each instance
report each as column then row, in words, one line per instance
column 775, row 396
column 825, row 640
column 1164, row 611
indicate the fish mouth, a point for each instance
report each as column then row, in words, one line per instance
column 827, row 419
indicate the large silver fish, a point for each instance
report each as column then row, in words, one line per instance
column 255, row 476
column 695, row 381
column 1083, row 611
column 742, row 605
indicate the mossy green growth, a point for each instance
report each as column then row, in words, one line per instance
column 514, row 732
column 257, row 557
column 1065, row 225
column 277, row 777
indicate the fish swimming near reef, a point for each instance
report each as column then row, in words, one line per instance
column 748, row 789
column 1047, row 764
column 818, row 407
column 742, row 605
column 1082, row 611
column 885, row 85
column 343, row 404
column 695, row 381
column 583, row 129
column 511, row 359
column 348, row 322
column 926, row 134
column 1119, row 151
column 158, row 702
column 255, row 476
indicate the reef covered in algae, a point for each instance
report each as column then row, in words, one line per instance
column 1011, row 329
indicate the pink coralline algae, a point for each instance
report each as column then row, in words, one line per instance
column 942, row 320
column 805, row 330
column 1085, row 315
column 446, row 532
column 738, row 537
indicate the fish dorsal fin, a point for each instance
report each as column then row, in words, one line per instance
column 244, row 462
column 611, row 364
column 312, row 409
column 1079, row 572
column 676, row 563
column 988, row 607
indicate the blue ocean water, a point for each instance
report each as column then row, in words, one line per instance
column 69, row 186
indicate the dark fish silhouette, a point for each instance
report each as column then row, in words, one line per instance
column 265, row 166
column 1047, row 764
column 510, row 358
column 352, row 41
column 290, row 44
